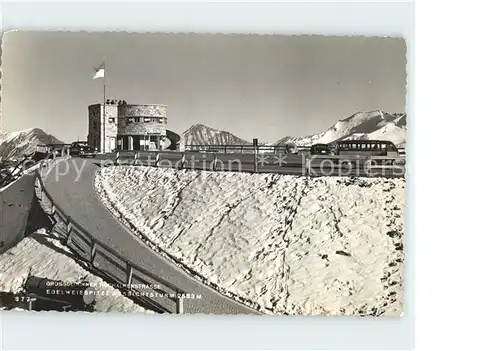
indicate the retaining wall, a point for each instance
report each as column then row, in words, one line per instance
column 15, row 206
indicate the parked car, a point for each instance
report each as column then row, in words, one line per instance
column 82, row 149
column 53, row 150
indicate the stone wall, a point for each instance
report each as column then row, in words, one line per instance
column 143, row 111
column 15, row 201
column 125, row 120
column 127, row 115
column 140, row 128
column 96, row 124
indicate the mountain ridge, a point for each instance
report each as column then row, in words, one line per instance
column 369, row 125
column 200, row 134
column 13, row 145
column 375, row 124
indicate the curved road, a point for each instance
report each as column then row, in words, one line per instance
column 76, row 196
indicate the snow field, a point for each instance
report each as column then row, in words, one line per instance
column 44, row 256
column 282, row 244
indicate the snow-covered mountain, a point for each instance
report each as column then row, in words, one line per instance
column 370, row 125
column 199, row 134
column 14, row 144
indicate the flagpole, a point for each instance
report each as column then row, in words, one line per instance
column 104, row 107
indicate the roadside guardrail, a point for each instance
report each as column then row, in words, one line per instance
column 154, row 291
column 301, row 163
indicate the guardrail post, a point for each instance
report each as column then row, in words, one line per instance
column 136, row 156
column 214, row 162
column 255, row 148
column 130, row 272
column 368, row 165
column 117, row 159
column 358, row 165
column 30, row 303
column 183, row 160
column 157, row 159
column 308, row 166
column 93, row 252
column 180, row 305
column 69, row 227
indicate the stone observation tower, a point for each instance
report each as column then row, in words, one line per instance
column 130, row 127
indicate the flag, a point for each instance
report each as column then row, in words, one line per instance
column 99, row 71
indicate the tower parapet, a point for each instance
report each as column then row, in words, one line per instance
column 128, row 126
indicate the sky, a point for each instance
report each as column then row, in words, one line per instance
column 254, row 86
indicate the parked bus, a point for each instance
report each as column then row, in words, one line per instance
column 320, row 149
column 364, row 148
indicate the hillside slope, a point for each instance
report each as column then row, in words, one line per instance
column 14, row 144
column 281, row 244
column 200, row 134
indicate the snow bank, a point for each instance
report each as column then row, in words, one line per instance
column 283, row 244
column 44, row 256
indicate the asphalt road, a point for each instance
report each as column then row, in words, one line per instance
column 77, row 198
